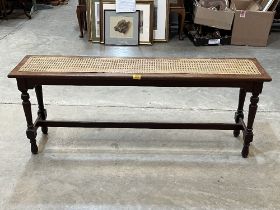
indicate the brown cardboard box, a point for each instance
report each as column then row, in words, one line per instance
column 250, row 27
column 213, row 18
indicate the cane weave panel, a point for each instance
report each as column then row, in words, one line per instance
column 140, row 65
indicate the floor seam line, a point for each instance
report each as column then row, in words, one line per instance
column 13, row 31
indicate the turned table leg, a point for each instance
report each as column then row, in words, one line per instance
column 23, row 4
column 248, row 133
column 80, row 20
column 42, row 112
column 182, row 16
column 239, row 113
column 31, row 131
column 85, row 20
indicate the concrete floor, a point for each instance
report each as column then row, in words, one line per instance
column 128, row 168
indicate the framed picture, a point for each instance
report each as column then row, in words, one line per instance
column 161, row 20
column 93, row 20
column 121, row 28
column 145, row 7
column 88, row 5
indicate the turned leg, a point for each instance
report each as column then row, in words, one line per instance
column 31, row 131
column 12, row 7
column 42, row 112
column 85, row 20
column 4, row 8
column 248, row 133
column 239, row 113
column 181, row 24
column 80, row 21
column 23, row 4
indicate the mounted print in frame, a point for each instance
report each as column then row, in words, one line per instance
column 161, row 20
column 93, row 18
column 121, row 28
column 145, row 7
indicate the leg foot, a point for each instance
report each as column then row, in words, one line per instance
column 248, row 133
column 239, row 113
column 237, row 116
column 34, row 148
column 236, row 133
column 31, row 131
column 42, row 112
column 44, row 130
column 23, row 4
column 245, row 151
column 181, row 23
column 80, row 20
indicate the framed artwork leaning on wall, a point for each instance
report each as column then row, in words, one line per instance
column 161, row 20
column 93, row 20
column 145, row 8
column 121, row 28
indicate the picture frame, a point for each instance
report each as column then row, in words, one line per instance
column 88, row 6
column 93, row 20
column 161, row 20
column 121, row 28
column 145, row 7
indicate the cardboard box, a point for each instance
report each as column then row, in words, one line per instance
column 213, row 18
column 250, row 27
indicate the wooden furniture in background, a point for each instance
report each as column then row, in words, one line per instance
column 177, row 6
column 8, row 6
column 3, row 9
column 82, row 16
column 35, row 71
